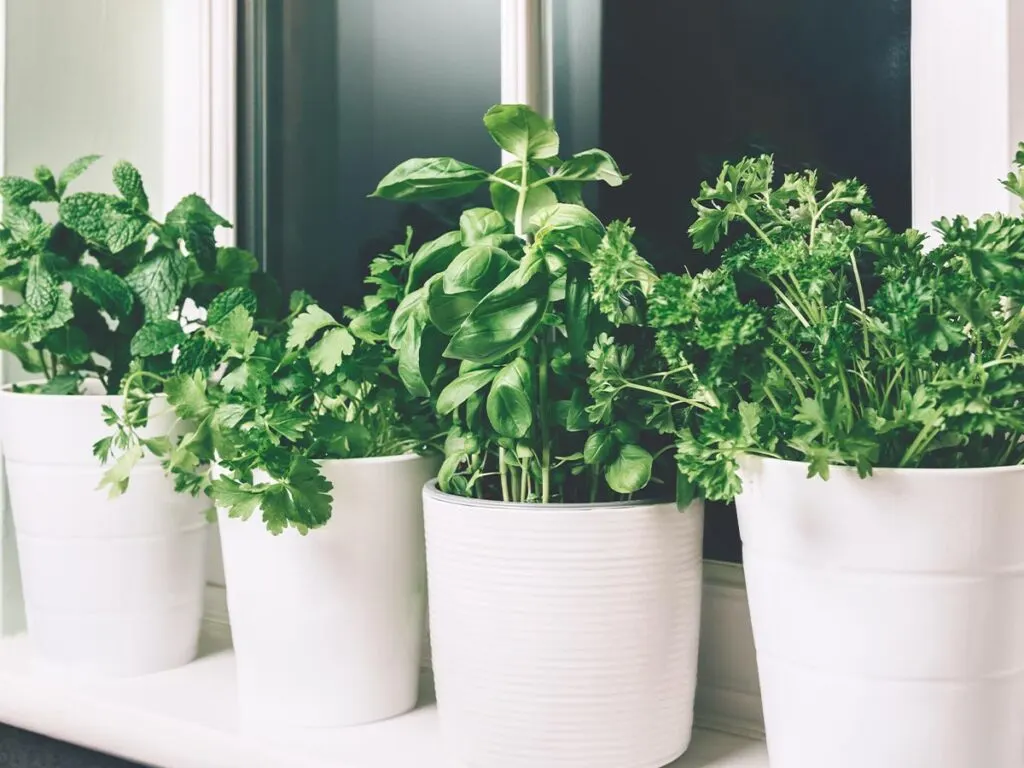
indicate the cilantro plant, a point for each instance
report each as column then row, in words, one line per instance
column 261, row 402
column 103, row 287
column 500, row 326
column 826, row 337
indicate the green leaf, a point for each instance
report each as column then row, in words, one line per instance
column 73, row 171
column 304, row 327
column 235, row 330
column 478, row 269
column 45, row 178
column 225, row 302
column 522, row 132
column 462, row 388
column 104, row 220
column 239, row 500
column 157, row 338
column 598, row 447
column 234, row 267
column 483, row 226
column 565, row 216
column 423, row 178
column 187, row 395
column 18, row 191
column 432, row 258
column 591, row 165
column 116, row 478
column 128, row 181
column 505, row 199
column 631, row 469
column 104, row 288
column 26, row 225
column 194, row 222
column 449, row 311
column 509, row 404
column 158, row 282
column 326, row 354
column 506, row 317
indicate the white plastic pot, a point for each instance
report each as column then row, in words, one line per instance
column 113, row 587
column 563, row 635
column 888, row 614
column 328, row 627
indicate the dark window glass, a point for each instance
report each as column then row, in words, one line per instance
column 335, row 94
column 672, row 89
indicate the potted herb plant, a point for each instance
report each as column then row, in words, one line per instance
column 304, row 423
column 860, row 396
column 112, row 586
column 564, row 584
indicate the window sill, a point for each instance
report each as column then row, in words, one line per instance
column 186, row 718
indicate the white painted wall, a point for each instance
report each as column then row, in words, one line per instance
column 85, row 77
column 79, row 77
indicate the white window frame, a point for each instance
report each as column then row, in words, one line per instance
column 967, row 72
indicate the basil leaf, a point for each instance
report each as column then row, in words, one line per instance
column 522, row 132
column 631, row 469
column 462, row 388
column 423, row 178
column 509, row 403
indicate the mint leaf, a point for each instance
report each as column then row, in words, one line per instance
column 45, row 178
column 326, row 354
column 194, row 222
column 128, row 181
column 225, row 302
column 234, row 267
column 18, row 191
column 157, row 338
column 158, row 282
column 73, row 171
column 104, row 220
column 108, row 291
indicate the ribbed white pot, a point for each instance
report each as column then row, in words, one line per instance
column 113, row 587
column 563, row 636
column 888, row 614
column 328, row 627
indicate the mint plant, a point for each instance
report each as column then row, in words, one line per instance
column 103, row 287
column 826, row 337
column 263, row 401
column 500, row 325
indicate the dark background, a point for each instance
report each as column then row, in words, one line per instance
column 337, row 92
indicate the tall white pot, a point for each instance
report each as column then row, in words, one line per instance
column 113, row 587
column 328, row 627
column 563, row 635
column 888, row 614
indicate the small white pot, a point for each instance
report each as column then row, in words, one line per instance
column 888, row 614
column 563, row 635
column 328, row 627
column 113, row 587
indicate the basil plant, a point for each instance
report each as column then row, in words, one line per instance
column 501, row 330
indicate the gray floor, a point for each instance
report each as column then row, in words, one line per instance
column 21, row 749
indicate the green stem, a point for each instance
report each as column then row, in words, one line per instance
column 503, row 471
column 521, row 202
column 796, row 353
column 863, row 303
column 786, row 371
column 524, row 479
column 925, row 436
column 666, row 395
column 760, row 232
column 789, row 304
column 545, row 432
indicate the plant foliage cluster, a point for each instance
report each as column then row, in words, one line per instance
column 826, row 337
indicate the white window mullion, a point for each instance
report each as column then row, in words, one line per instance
column 967, row 105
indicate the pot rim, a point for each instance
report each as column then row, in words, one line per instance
column 431, row 490
column 397, row 458
column 92, row 397
column 891, row 471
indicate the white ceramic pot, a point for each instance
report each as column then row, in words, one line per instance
column 563, row 635
column 328, row 627
column 888, row 614
column 112, row 587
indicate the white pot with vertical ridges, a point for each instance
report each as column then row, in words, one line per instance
column 888, row 614
column 113, row 587
column 563, row 635
column 328, row 626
